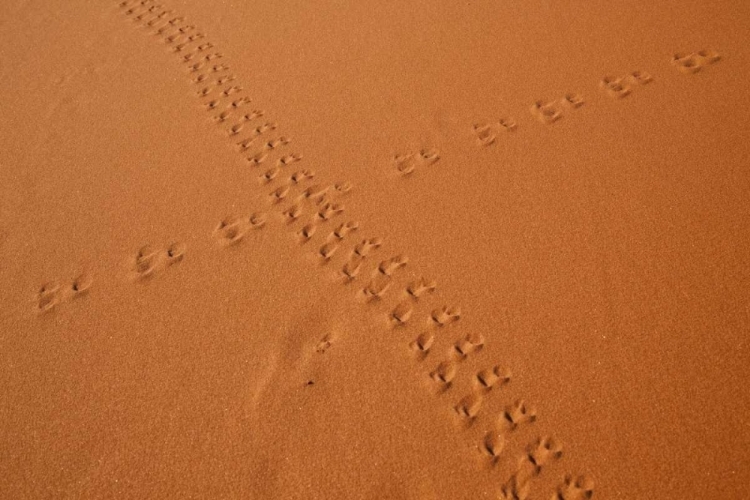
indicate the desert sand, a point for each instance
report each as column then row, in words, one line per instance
column 396, row 250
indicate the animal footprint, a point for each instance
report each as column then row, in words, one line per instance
column 307, row 232
column 364, row 248
column 343, row 187
column 490, row 377
column 402, row 313
column 493, row 444
column 615, row 87
column 573, row 101
column 175, row 253
column 279, row 194
column 270, row 175
column 48, row 297
column 469, row 406
column 293, row 213
column 352, row 267
column 328, row 249
column 517, row 487
column 146, row 260
column 575, row 488
column 289, row 159
column 388, row 267
column 518, row 413
column 257, row 220
column 486, row 133
column 230, row 231
column 470, row 343
column 444, row 373
column 423, row 343
column 346, row 228
column 543, row 451
column 421, row 287
column 445, row 315
column 695, row 61
column 407, row 163
column 301, row 176
column 377, row 287
column 641, row 77
column 323, row 345
column 316, row 193
column 546, row 111
column 329, row 210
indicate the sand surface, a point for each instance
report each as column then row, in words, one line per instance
column 406, row 250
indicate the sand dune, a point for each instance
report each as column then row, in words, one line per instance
column 396, row 250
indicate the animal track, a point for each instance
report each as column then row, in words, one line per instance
column 345, row 228
column 389, row 266
column 694, row 62
column 490, row 377
column 575, row 488
column 324, row 344
column 402, row 313
column 615, row 87
column 423, row 343
column 149, row 260
column 543, row 451
column 546, row 111
column 444, row 373
column 517, row 414
column 421, row 287
column 470, row 343
column 52, row 294
column 364, row 248
column 486, row 133
column 407, row 163
column 445, row 315
column 230, row 231
column 377, row 287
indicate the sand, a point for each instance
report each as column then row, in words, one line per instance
column 407, row 250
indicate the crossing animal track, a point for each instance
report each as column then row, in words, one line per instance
column 220, row 92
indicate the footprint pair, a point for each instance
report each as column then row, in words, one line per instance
column 52, row 294
column 149, row 260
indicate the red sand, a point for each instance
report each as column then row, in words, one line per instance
column 397, row 250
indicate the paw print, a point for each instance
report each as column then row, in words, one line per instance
column 695, row 61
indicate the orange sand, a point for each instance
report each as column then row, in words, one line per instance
column 403, row 250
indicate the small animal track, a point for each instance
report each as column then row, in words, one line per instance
column 407, row 163
column 487, row 133
column 52, row 294
column 693, row 62
column 546, row 111
column 148, row 260
column 231, row 230
column 575, row 488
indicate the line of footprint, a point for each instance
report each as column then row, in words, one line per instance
column 323, row 206
column 616, row 87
